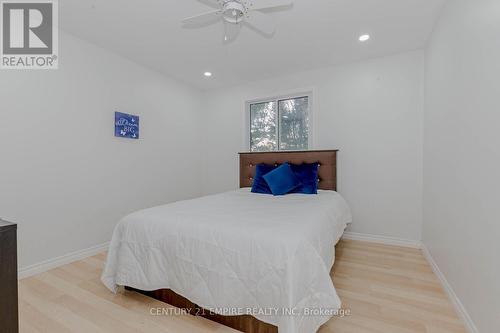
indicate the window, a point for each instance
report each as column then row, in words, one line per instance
column 280, row 124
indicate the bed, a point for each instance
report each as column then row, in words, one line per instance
column 254, row 262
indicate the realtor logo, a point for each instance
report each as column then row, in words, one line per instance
column 29, row 36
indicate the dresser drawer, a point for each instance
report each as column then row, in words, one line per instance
column 8, row 278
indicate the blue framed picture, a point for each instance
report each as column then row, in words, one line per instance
column 126, row 126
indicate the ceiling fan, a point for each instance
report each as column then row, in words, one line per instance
column 236, row 13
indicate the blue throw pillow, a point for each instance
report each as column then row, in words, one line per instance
column 259, row 184
column 282, row 180
column 308, row 176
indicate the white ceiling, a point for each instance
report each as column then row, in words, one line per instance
column 312, row 34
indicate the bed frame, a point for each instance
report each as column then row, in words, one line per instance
column 327, row 181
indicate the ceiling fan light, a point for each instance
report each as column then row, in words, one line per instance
column 233, row 12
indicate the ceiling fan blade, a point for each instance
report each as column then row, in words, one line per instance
column 261, row 22
column 211, row 3
column 268, row 4
column 231, row 32
column 205, row 18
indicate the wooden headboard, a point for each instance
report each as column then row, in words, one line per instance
column 326, row 158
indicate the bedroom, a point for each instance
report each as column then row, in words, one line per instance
column 137, row 115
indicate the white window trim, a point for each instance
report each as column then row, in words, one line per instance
column 307, row 93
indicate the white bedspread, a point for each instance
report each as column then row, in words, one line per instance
column 237, row 253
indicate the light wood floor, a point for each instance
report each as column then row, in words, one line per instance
column 387, row 289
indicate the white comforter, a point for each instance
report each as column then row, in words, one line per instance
column 237, row 253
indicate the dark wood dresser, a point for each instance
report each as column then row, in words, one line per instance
column 8, row 278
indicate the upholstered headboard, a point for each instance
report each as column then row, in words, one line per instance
column 326, row 158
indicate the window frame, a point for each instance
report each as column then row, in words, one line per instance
column 277, row 99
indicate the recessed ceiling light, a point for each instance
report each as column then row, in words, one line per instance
column 207, row 74
column 364, row 38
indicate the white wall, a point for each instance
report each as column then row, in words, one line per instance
column 462, row 155
column 372, row 111
column 64, row 177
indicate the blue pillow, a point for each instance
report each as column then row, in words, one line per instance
column 259, row 184
column 308, row 176
column 282, row 180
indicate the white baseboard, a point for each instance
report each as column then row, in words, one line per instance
column 383, row 240
column 459, row 307
column 46, row 265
